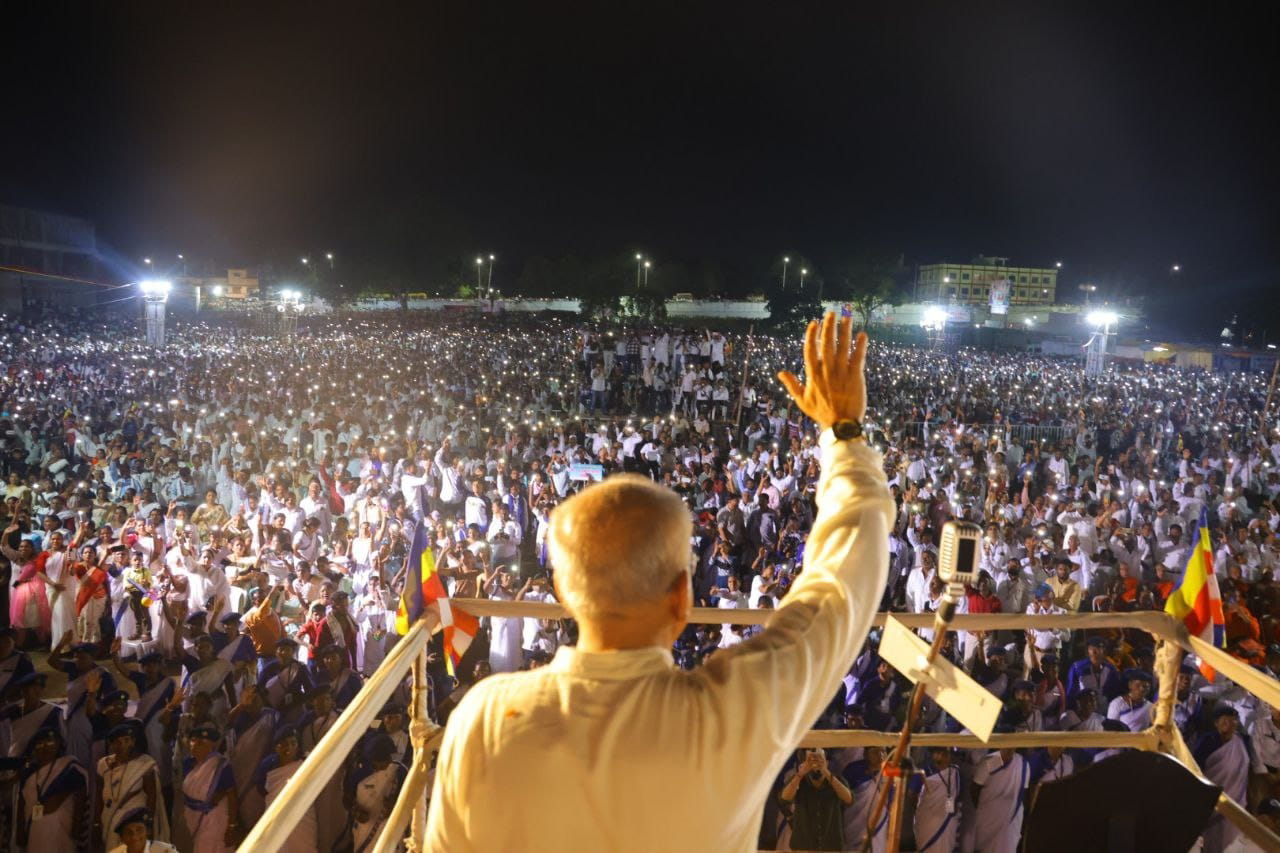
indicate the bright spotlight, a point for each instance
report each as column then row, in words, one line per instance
column 1102, row 318
column 155, row 288
column 217, row 290
column 934, row 316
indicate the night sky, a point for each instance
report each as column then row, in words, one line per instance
column 1117, row 142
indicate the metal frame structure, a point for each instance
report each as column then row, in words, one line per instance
column 408, row 658
column 155, row 293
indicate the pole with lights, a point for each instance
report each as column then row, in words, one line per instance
column 155, row 293
column 288, row 309
column 934, row 323
column 1095, row 354
column 786, row 261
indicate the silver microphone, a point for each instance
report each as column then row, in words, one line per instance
column 957, row 564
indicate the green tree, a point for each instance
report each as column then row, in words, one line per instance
column 646, row 306
column 600, row 305
column 867, row 283
column 791, row 309
column 869, row 298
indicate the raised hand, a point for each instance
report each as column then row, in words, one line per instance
column 835, row 385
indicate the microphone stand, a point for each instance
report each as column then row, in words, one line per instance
column 892, row 767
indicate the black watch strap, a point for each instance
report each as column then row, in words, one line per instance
column 847, row 430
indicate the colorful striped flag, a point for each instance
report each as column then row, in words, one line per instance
column 423, row 588
column 1197, row 601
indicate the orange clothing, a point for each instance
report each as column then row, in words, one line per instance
column 264, row 627
column 1130, row 593
column 1241, row 625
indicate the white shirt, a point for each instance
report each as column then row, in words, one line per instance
column 572, row 730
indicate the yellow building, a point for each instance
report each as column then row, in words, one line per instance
column 970, row 284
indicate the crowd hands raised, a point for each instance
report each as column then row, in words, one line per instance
column 225, row 524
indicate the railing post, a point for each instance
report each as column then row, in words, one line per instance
column 420, row 731
column 1168, row 662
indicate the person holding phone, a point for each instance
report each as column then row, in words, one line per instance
column 818, row 799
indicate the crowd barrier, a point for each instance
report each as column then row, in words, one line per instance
column 1050, row 434
column 407, row 821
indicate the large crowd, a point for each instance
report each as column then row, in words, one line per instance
column 211, row 539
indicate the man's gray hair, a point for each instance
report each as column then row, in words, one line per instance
column 617, row 544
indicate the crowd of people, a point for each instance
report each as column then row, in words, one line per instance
column 210, row 539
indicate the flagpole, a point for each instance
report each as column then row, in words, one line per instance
column 1271, row 387
column 742, row 388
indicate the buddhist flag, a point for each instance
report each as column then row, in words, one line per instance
column 424, row 589
column 421, row 582
column 460, row 629
column 1197, row 601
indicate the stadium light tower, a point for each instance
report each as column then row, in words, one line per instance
column 155, row 293
column 934, row 323
column 289, row 308
column 1095, row 356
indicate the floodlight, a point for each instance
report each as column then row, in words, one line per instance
column 155, row 288
column 934, row 316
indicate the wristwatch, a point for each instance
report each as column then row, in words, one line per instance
column 846, row 430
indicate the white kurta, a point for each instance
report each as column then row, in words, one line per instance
column 626, row 723
column 506, row 634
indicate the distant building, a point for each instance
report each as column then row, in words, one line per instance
column 48, row 260
column 970, row 284
column 236, row 284
column 241, row 284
